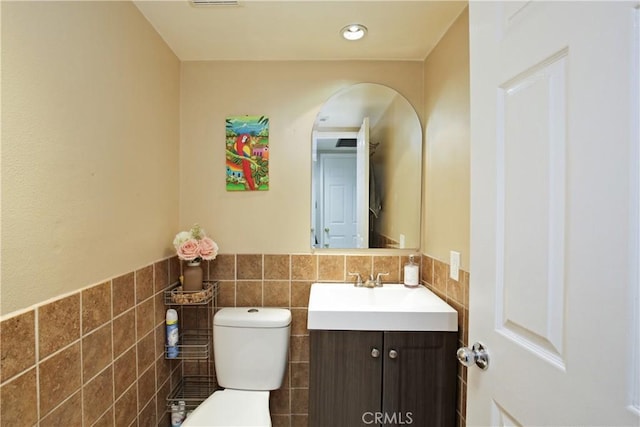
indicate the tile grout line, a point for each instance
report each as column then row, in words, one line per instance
column 153, row 331
column 101, row 415
column 81, row 361
column 135, row 335
column 157, row 324
column 37, row 362
column 113, row 364
column 290, row 282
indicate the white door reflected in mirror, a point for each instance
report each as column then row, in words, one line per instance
column 338, row 225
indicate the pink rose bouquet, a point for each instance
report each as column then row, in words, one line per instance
column 194, row 245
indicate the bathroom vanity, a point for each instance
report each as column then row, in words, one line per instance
column 359, row 377
column 393, row 371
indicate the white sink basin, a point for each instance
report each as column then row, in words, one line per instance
column 342, row 306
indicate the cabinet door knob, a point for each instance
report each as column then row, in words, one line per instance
column 375, row 353
column 393, row 354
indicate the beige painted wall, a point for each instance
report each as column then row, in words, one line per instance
column 446, row 198
column 399, row 132
column 291, row 94
column 90, row 134
column 90, row 151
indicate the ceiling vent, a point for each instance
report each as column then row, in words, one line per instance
column 214, row 2
column 346, row 143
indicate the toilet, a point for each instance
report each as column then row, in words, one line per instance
column 250, row 354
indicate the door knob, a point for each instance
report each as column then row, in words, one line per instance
column 477, row 355
column 393, row 354
column 375, row 353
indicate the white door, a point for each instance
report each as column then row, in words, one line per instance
column 362, row 185
column 338, row 200
column 554, row 223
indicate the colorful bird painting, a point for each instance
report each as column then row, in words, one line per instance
column 243, row 149
column 247, row 153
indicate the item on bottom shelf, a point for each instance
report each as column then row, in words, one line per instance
column 178, row 413
column 176, row 417
column 172, row 333
column 183, row 410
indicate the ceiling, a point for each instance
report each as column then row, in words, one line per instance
column 300, row 30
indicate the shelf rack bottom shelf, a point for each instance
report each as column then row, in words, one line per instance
column 192, row 390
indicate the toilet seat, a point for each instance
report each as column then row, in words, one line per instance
column 232, row 408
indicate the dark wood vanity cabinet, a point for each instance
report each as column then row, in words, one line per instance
column 369, row 378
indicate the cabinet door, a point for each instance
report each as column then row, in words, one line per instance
column 419, row 379
column 344, row 377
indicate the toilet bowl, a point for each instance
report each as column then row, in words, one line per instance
column 232, row 408
column 250, row 355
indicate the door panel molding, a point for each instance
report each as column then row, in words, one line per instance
column 531, row 189
column 501, row 418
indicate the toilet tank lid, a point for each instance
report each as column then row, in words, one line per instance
column 253, row 317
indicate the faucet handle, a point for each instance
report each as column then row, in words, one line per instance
column 378, row 280
column 358, row 281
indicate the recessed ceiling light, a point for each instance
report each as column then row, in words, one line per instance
column 354, row 32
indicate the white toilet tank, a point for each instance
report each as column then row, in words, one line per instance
column 250, row 347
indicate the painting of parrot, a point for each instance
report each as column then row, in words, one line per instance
column 243, row 149
column 247, row 148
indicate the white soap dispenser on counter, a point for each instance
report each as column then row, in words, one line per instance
column 411, row 273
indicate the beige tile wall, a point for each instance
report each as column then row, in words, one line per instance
column 285, row 281
column 94, row 357
column 107, row 340
column 434, row 274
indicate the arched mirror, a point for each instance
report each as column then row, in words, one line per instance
column 367, row 169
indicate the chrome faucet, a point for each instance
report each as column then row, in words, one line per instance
column 358, row 282
column 378, row 281
column 370, row 282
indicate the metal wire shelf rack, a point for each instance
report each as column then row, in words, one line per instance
column 176, row 296
column 194, row 344
column 192, row 390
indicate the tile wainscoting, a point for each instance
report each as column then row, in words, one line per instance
column 92, row 357
column 434, row 274
column 107, row 340
column 285, row 280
